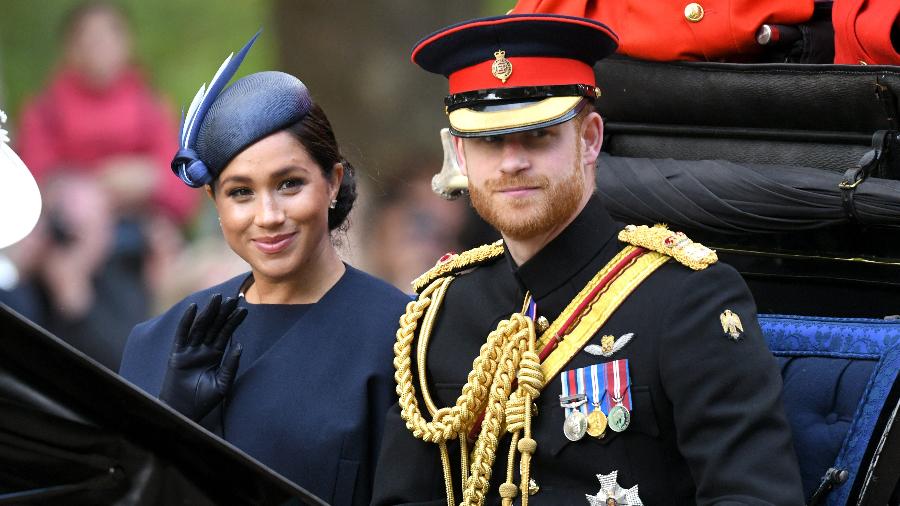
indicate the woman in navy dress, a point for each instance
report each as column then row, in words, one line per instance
column 290, row 362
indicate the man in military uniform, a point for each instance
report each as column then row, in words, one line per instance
column 578, row 361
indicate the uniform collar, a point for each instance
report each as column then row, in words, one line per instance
column 569, row 253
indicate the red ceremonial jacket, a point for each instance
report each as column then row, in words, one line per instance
column 664, row 30
column 862, row 31
column 74, row 127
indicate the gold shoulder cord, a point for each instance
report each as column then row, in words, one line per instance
column 508, row 354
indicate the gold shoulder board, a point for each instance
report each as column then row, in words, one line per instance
column 452, row 263
column 660, row 239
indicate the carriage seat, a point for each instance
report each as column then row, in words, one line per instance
column 840, row 390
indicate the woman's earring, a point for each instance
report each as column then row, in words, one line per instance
column 333, row 204
column 220, row 221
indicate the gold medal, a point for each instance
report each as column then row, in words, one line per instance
column 596, row 423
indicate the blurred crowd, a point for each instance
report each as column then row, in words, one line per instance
column 121, row 238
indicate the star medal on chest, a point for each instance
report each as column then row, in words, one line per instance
column 612, row 494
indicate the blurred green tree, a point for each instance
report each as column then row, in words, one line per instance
column 497, row 7
column 355, row 58
column 353, row 55
column 178, row 43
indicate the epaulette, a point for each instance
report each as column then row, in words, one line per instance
column 452, row 263
column 660, row 239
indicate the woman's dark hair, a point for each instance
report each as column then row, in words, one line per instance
column 315, row 133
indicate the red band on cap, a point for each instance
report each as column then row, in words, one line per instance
column 526, row 71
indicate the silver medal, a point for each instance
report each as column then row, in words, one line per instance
column 619, row 418
column 575, row 426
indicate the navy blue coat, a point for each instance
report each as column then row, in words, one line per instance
column 312, row 389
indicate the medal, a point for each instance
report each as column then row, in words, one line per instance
column 619, row 418
column 575, row 426
column 596, row 418
column 611, row 494
column 574, row 399
column 596, row 421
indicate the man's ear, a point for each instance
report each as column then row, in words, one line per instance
column 459, row 148
column 591, row 138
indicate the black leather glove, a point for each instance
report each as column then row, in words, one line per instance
column 198, row 377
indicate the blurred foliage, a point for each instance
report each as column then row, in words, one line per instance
column 178, row 43
column 497, row 7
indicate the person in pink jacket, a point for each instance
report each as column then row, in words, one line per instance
column 98, row 141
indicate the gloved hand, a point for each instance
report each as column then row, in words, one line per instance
column 198, row 377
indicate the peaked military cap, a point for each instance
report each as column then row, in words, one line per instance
column 516, row 72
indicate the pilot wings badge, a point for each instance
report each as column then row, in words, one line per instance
column 731, row 324
column 609, row 345
column 611, row 494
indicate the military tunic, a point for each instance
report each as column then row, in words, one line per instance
column 707, row 423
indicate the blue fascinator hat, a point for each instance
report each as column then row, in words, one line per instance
column 220, row 124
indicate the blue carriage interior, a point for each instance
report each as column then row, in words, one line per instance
column 838, row 378
column 753, row 160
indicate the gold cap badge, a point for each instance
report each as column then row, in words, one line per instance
column 606, row 344
column 731, row 324
column 501, row 68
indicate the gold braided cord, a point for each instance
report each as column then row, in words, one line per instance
column 531, row 382
column 489, row 383
column 448, row 478
column 508, row 354
column 521, row 340
column 456, row 263
column 508, row 489
column 447, row 423
column 464, row 456
column 422, row 349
